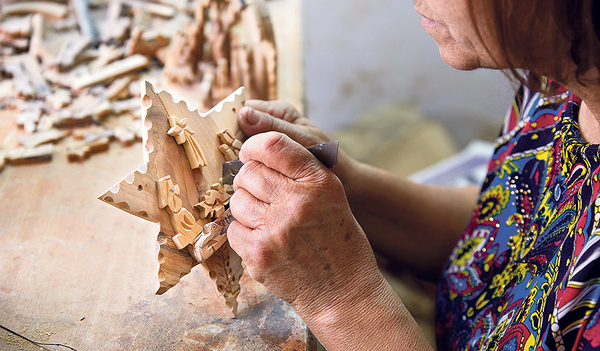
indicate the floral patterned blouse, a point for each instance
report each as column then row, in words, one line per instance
column 526, row 274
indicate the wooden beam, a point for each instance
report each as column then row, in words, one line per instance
column 24, row 155
column 117, row 87
column 40, row 138
column 47, row 8
column 111, row 71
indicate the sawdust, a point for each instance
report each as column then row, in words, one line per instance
column 17, row 343
column 42, row 335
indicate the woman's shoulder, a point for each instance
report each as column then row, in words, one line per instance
column 531, row 125
column 529, row 109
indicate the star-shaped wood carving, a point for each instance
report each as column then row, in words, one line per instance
column 183, row 167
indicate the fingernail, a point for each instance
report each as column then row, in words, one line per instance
column 252, row 117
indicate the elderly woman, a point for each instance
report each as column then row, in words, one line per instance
column 523, row 275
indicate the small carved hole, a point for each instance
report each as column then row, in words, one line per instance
column 149, row 147
column 233, row 109
column 147, row 124
column 140, row 187
column 146, row 102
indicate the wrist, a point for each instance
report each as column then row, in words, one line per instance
column 371, row 318
column 332, row 308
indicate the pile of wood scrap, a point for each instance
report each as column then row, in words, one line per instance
column 70, row 71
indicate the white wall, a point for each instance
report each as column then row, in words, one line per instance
column 360, row 54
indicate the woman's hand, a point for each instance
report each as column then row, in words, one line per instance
column 296, row 234
column 294, row 227
column 265, row 116
column 401, row 219
column 277, row 116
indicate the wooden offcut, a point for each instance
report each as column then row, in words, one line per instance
column 50, row 9
column 111, row 71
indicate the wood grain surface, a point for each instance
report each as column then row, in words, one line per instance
column 78, row 272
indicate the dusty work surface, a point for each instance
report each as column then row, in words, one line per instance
column 78, row 272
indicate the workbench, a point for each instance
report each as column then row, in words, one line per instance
column 78, row 272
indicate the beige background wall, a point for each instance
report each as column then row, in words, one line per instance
column 361, row 54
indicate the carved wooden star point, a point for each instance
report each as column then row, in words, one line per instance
column 182, row 169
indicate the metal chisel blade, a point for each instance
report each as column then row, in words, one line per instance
column 327, row 153
column 230, row 170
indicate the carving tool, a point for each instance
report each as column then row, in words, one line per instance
column 214, row 234
column 325, row 152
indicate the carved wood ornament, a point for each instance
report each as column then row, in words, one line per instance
column 179, row 187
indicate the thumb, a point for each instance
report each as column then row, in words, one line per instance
column 254, row 122
column 280, row 153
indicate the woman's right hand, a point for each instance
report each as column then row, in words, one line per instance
column 400, row 218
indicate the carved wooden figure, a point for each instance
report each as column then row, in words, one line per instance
column 212, row 204
column 165, row 189
column 183, row 135
column 183, row 222
column 261, row 54
column 236, row 39
column 230, row 147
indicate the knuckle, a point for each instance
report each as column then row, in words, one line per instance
column 235, row 199
column 250, row 169
column 275, row 142
column 298, row 208
column 238, row 203
column 276, row 107
column 263, row 256
column 290, row 113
